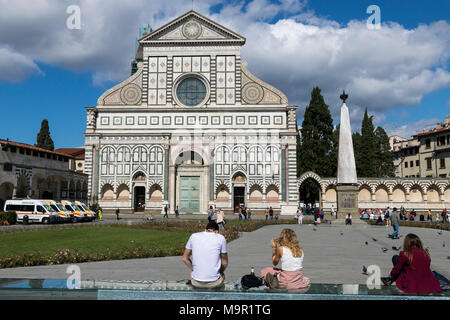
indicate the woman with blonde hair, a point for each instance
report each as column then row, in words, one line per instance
column 287, row 251
column 411, row 271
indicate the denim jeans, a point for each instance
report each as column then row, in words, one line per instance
column 395, row 234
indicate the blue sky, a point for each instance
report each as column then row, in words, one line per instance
column 56, row 82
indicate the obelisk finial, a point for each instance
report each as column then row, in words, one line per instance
column 344, row 96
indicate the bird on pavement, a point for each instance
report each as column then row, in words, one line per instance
column 366, row 243
column 342, row 233
column 440, row 232
column 315, row 229
column 385, row 249
column 396, row 248
column 374, row 239
column 364, row 269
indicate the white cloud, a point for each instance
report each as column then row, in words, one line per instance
column 380, row 69
column 16, row 67
column 410, row 129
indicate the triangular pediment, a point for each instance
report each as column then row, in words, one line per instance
column 192, row 27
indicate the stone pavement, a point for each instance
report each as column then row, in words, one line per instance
column 333, row 254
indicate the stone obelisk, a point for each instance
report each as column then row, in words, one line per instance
column 347, row 184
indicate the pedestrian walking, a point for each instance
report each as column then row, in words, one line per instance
column 271, row 213
column 267, row 213
column 395, row 221
column 210, row 214
column 166, row 211
column 117, row 213
column 100, row 214
column 299, row 216
column 177, row 213
column 220, row 219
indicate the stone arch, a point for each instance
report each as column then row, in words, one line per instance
column 239, row 177
column 123, row 192
column 398, row 193
column 365, row 193
column 189, row 157
column 330, row 193
column 155, row 193
column 416, row 193
column 382, row 193
column 139, row 176
column 107, row 192
column 256, row 193
column 447, row 194
column 272, row 193
column 433, row 193
column 307, row 175
column 222, row 193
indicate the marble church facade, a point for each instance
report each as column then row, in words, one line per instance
column 192, row 127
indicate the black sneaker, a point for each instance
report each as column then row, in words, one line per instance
column 387, row 281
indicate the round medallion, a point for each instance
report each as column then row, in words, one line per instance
column 130, row 94
column 191, row 91
column 192, row 30
column 252, row 93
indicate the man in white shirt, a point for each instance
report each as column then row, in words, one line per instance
column 209, row 257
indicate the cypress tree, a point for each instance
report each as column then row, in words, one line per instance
column 316, row 137
column 44, row 140
column 356, row 138
column 385, row 157
column 368, row 148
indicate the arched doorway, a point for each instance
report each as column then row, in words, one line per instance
column 239, row 186
column 139, row 180
column 310, row 192
column 190, row 175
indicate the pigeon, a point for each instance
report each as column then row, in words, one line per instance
column 396, row 248
column 374, row 239
column 385, row 249
column 364, row 270
column 440, row 232
column 315, row 229
column 342, row 233
column 366, row 243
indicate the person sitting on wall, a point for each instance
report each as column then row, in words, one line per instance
column 287, row 250
column 209, row 257
column 411, row 272
column 348, row 219
column 379, row 222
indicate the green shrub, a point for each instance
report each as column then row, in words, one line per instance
column 9, row 216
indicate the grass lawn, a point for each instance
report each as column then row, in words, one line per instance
column 89, row 240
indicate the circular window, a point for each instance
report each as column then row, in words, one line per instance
column 191, row 91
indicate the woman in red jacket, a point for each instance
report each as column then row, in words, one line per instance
column 411, row 272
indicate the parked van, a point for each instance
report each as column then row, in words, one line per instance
column 84, row 207
column 64, row 215
column 33, row 210
column 78, row 214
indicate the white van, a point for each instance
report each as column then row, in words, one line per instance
column 84, row 207
column 63, row 214
column 78, row 213
column 35, row 210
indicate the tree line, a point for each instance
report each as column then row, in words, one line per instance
column 318, row 143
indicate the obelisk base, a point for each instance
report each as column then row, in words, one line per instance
column 347, row 200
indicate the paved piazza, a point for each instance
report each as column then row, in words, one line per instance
column 329, row 256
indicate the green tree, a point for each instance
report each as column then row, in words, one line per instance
column 368, row 154
column 385, row 157
column 43, row 138
column 356, row 138
column 316, row 139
